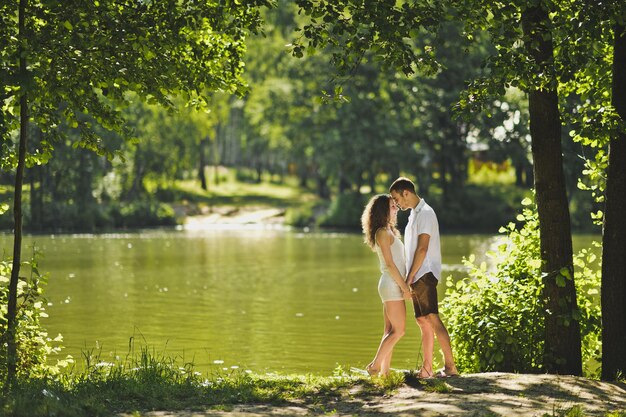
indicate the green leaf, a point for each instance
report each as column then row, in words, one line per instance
column 68, row 25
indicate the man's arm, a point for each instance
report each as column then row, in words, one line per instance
column 419, row 256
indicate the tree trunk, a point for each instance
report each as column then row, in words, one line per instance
column 303, row 175
column 137, row 188
column 216, row 155
column 459, row 158
column 372, row 182
column 443, row 174
column 562, row 351
column 519, row 174
column 342, row 183
column 36, row 177
column 530, row 175
column 202, row 163
column 35, row 198
column 17, row 206
column 322, row 186
column 614, row 229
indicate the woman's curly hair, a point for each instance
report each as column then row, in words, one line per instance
column 376, row 216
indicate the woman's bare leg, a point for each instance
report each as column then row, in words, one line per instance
column 395, row 314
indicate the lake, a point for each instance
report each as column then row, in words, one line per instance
column 263, row 299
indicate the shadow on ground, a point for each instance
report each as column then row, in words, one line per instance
column 489, row 394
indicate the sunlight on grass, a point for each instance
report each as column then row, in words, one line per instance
column 229, row 191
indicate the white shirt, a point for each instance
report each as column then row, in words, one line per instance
column 423, row 220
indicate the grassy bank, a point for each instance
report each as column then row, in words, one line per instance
column 149, row 382
column 156, row 386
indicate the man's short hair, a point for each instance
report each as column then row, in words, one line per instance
column 402, row 184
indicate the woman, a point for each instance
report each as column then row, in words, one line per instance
column 379, row 227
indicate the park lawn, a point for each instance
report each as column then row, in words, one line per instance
column 235, row 193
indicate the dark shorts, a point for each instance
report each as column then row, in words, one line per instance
column 425, row 295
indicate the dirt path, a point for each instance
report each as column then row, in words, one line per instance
column 488, row 394
column 228, row 216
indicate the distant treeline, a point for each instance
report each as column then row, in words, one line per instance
column 383, row 124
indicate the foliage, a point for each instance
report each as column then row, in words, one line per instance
column 143, row 213
column 304, row 215
column 344, row 211
column 149, row 381
column 496, row 314
column 34, row 344
column 151, row 48
column 477, row 207
column 588, row 277
column 391, row 125
column 350, row 28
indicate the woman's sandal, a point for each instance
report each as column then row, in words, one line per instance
column 371, row 370
column 424, row 374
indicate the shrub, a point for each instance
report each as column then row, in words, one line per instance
column 33, row 344
column 344, row 211
column 495, row 315
column 143, row 213
column 477, row 208
column 299, row 216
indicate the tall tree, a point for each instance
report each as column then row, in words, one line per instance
column 562, row 341
column 62, row 60
column 599, row 119
column 614, row 229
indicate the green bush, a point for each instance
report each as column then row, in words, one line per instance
column 299, row 216
column 70, row 217
column 304, row 215
column 477, row 208
column 143, row 213
column 33, row 344
column 345, row 211
column 495, row 315
column 97, row 217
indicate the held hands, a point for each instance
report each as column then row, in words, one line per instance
column 407, row 292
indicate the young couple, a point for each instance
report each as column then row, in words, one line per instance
column 409, row 271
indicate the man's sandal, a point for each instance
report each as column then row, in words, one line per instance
column 444, row 374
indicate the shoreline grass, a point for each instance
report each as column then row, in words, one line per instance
column 150, row 382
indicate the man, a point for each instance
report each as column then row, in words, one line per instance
column 423, row 263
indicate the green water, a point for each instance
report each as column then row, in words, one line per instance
column 268, row 300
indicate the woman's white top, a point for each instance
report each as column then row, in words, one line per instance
column 388, row 289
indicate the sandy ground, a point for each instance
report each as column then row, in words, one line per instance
column 224, row 216
column 488, row 394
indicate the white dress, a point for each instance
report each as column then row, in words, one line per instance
column 388, row 289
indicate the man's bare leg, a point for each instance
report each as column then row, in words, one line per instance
column 444, row 342
column 428, row 343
